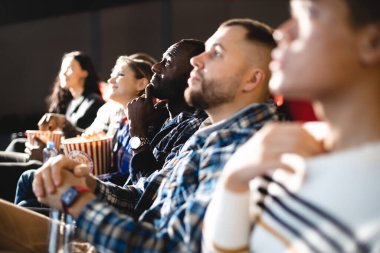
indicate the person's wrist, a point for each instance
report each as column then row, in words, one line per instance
column 138, row 131
column 141, row 149
column 71, row 195
column 80, row 203
column 91, row 182
column 139, row 142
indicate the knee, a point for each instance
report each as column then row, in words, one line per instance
column 26, row 177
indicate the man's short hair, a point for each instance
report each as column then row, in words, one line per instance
column 195, row 47
column 256, row 31
column 363, row 12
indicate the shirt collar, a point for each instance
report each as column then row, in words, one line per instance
column 253, row 113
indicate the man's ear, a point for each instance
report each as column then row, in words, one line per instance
column 370, row 45
column 255, row 77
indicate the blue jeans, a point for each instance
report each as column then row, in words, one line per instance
column 24, row 191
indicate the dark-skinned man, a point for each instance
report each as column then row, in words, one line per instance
column 168, row 83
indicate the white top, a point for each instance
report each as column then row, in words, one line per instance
column 335, row 210
column 107, row 119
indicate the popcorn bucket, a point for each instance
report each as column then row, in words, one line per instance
column 95, row 153
column 45, row 136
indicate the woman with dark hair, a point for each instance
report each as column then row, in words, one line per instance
column 76, row 97
column 59, row 99
column 75, row 100
column 61, row 96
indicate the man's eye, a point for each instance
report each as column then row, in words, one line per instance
column 120, row 74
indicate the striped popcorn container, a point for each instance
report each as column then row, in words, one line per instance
column 95, row 153
column 45, row 136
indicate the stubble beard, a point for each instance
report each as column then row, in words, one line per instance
column 208, row 96
column 195, row 99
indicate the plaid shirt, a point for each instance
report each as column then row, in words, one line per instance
column 173, row 134
column 122, row 150
column 174, row 222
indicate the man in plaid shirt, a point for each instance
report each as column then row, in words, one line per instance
column 230, row 82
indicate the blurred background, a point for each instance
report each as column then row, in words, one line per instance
column 35, row 34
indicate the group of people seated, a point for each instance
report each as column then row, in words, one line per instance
column 202, row 160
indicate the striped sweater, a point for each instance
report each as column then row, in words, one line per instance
column 334, row 210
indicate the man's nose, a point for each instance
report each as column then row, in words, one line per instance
column 197, row 61
column 156, row 68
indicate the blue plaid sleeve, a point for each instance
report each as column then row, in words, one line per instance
column 111, row 232
column 122, row 198
column 145, row 163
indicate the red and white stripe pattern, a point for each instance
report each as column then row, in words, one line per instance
column 45, row 136
column 94, row 153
